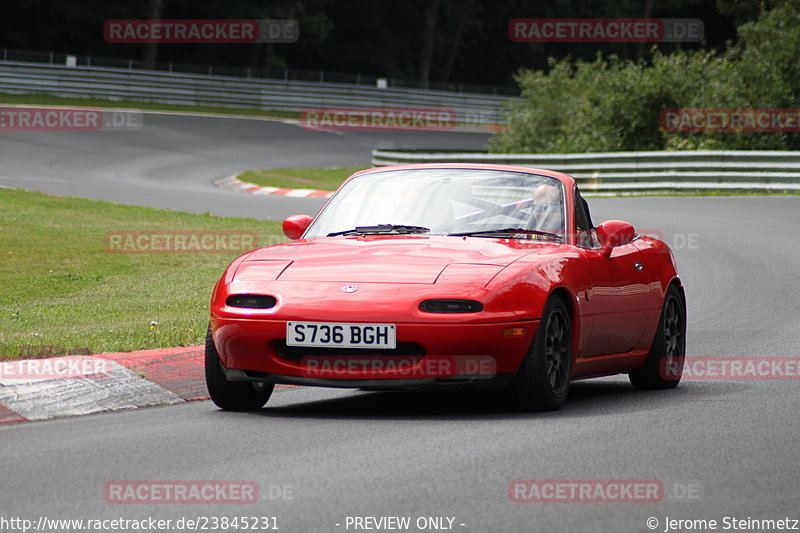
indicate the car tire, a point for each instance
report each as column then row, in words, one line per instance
column 541, row 382
column 232, row 395
column 664, row 366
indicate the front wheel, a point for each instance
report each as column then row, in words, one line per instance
column 542, row 379
column 664, row 366
column 232, row 395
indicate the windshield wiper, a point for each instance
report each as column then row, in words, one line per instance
column 381, row 229
column 508, row 231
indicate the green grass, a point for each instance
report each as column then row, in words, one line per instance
column 63, row 293
column 323, row 179
column 45, row 99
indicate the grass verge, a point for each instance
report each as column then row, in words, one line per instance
column 63, row 293
column 46, row 99
column 323, row 179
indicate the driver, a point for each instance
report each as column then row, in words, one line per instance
column 548, row 214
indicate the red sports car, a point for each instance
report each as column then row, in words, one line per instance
column 448, row 275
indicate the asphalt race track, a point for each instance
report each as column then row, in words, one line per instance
column 732, row 445
column 172, row 160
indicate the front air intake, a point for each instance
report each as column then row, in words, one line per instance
column 451, row 306
column 251, row 301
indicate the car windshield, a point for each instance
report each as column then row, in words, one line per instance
column 446, row 201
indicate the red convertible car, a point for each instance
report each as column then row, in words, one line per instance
column 448, row 275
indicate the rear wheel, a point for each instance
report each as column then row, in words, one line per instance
column 232, row 395
column 664, row 366
column 542, row 379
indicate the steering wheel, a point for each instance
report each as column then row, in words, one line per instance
column 489, row 210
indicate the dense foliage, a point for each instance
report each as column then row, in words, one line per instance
column 612, row 104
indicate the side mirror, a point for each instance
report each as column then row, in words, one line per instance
column 295, row 225
column 613, row 233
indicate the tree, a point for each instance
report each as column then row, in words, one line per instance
column 150, row 50
column 613, row 104
column 429, row 12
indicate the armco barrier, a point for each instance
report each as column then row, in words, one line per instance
column 638, row 171
column 196, row 89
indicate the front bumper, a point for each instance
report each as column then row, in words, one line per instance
column 444, row 354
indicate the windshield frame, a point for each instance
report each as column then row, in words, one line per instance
column 365, row 174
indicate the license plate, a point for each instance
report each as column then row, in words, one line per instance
column 338, row 335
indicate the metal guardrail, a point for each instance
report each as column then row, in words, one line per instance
column 195, row 89
column 616, row 172
column 286, row 74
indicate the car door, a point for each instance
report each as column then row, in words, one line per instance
column 618, row 299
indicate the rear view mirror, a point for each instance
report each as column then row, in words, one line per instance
column 612, row 233
column 295, row 225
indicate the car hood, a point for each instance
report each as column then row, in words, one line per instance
column 386, row 259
